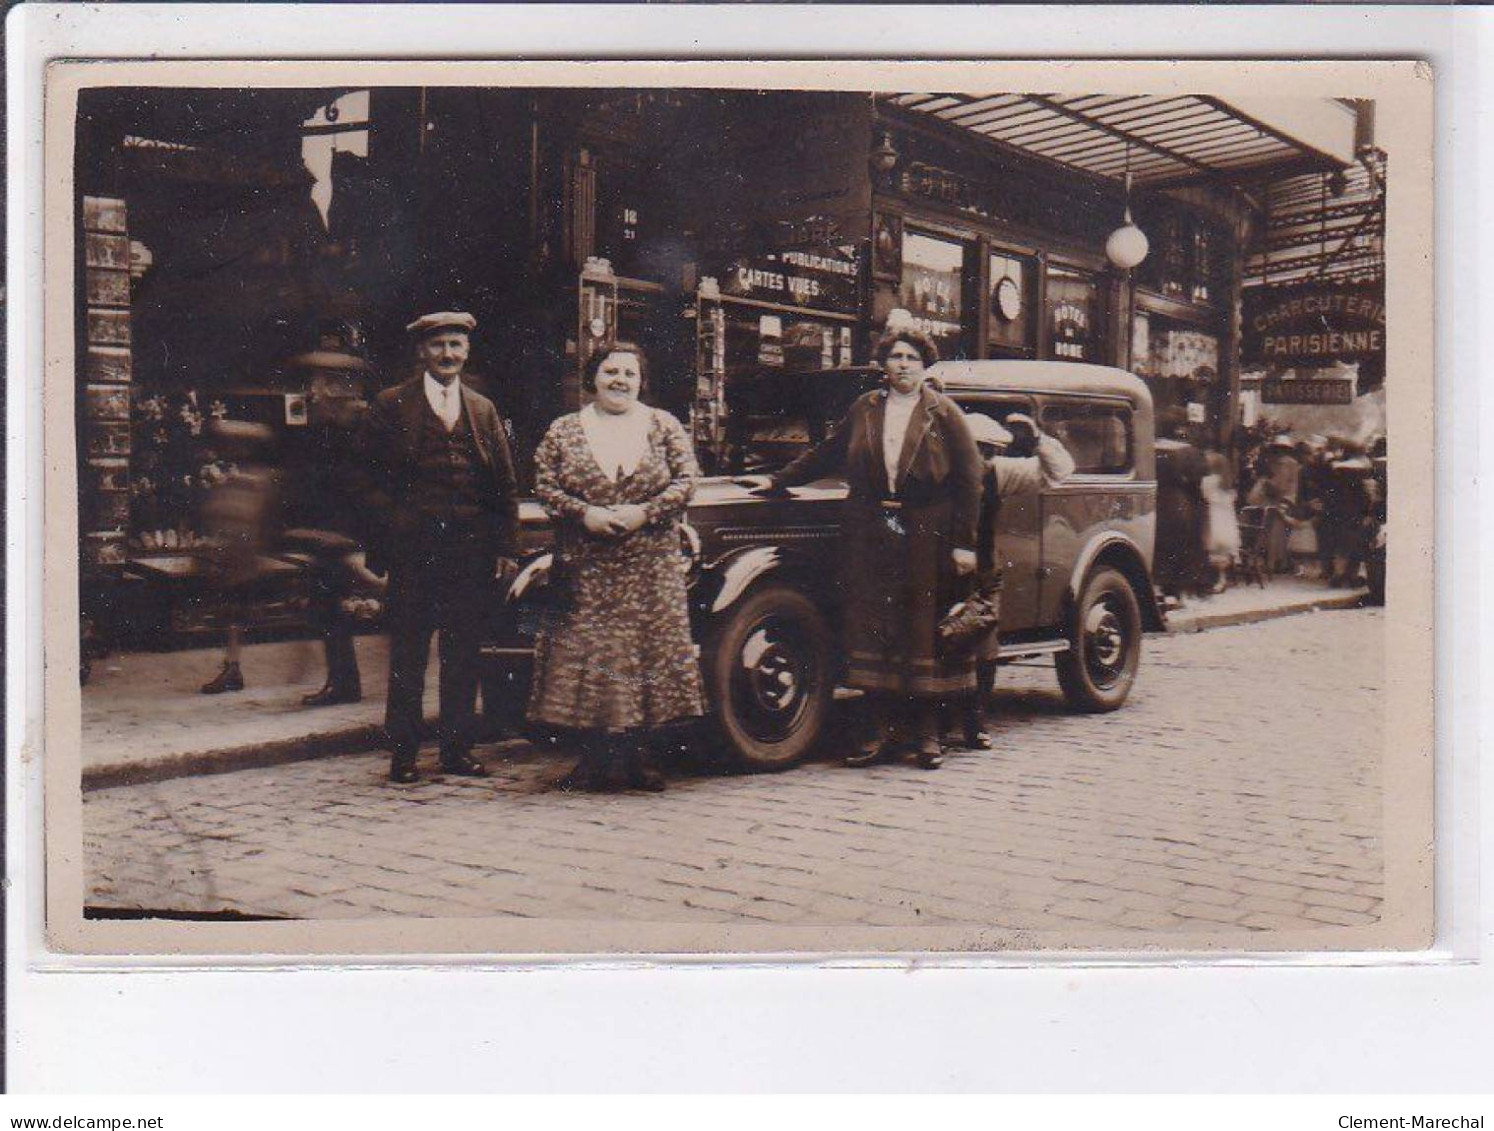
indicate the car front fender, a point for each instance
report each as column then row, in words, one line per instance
column 533, row 576
column 738, row 574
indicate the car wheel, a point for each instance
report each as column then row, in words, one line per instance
column 1097, row 671
column 770, row 678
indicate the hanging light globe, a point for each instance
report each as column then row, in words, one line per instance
column 1127, row 245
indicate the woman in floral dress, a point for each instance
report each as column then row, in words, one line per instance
column 618, row 660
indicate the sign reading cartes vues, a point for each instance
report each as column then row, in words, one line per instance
column 1313, row 324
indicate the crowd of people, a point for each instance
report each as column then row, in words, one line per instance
column 1310, row 506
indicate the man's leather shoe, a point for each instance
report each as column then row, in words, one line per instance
column 929, row 758
column 465, row 766
column 404, row 775
column 229, row 678
column 330, row 696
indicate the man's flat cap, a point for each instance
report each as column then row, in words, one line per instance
column 984, row 430
column 443, row 320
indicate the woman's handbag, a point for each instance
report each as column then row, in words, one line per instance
column 971, row 620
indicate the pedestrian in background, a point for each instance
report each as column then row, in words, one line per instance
column 908, row 545
column 329, row 532
column 616, row 662
column 442, row 502
column 240, row 516
column 1221, row 526
column 1179, row 559
column 1346, row 504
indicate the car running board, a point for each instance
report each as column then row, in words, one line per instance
column 1037, row 648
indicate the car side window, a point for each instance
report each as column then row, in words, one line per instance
column 1098, row 436
column 999, row 409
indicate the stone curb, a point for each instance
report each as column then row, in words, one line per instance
column 1199, row 622
column 363, row 737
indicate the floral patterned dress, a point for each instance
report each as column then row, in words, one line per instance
column 618, row 656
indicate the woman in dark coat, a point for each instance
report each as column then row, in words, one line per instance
column 908, row 543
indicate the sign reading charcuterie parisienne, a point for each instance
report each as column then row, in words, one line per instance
column 1313, row 324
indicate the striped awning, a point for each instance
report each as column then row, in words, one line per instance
column 1162, row 140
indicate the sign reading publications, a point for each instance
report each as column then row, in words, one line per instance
column 1313, row 325
column 822, row 278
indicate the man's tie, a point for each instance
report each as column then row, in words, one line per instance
column 451, row 407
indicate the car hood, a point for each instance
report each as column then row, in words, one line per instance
column 710, row 490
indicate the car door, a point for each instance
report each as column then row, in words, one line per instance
column 1019, row 528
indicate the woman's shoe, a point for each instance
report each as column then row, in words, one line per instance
column 978, row 740
column 582, row 778
column 871, row 754
column 229, row 678
column 645, row 777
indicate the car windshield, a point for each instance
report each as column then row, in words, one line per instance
column 774, row 416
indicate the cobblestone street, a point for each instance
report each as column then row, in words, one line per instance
column 1240, row 788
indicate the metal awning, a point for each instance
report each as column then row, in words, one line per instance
column 1322, row 227
column 1163, row 140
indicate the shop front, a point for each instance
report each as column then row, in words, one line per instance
column 731, row 234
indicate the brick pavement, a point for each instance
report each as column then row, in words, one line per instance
column 1238, row 789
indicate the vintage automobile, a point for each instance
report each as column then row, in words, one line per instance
column 763, row 592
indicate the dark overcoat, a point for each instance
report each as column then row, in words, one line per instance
column 391, row 451
column 1179, row 558
column 897, row 575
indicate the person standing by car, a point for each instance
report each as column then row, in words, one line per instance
column 443, row 516
column 908, row 543
column 1020, row 459
column 617, row 661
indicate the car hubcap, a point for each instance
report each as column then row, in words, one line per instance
column 1104, row 644
column 774, row 679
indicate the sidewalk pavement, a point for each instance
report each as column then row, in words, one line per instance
column 145, row 720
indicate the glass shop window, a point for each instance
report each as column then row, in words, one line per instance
column 933, row 289
column 1073, row 315
column 1098, row 436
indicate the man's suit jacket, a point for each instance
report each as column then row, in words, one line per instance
column 392, row 453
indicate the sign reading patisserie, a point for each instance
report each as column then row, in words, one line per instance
column 1310, row 324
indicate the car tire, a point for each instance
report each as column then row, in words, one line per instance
column 771, row 679
column 1097, row 671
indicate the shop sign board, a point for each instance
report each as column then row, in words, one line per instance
column 1307, row 390
column 1313, row 324
column 822, row 277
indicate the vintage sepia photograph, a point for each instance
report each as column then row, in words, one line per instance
column 549, row 510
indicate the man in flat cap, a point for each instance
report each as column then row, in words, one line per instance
column 443, row 501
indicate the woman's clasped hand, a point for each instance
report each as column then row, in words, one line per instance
column 615, row 521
